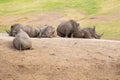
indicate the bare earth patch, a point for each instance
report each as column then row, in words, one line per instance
column 109, row 17
column 54, row 18
column 61, row 59
column 51, row 18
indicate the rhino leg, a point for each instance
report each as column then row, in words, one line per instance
column 66, row 35
column 70, row 35
column 60, row 34
column 39, row 35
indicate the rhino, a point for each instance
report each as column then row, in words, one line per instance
column 14, row 28
column 93, row 32
column 66, row 29
column 31, row 31
column 46, row 31
column 87, row 32
column 81, row 33
column 22, row 41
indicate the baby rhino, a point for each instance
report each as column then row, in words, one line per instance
column 22, row 41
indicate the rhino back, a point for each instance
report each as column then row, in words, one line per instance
column 22, row 41
column 64, row 28
column 31, row 31
column 91, row 31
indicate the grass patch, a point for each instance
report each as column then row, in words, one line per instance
column 91, row 6
column 109, row 6
column 18, row 7
column 5, row 1
column 3, row 28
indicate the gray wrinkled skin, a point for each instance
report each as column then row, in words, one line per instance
column 66, row 29
column 14, row 29
column 22, row 41
column 86, row 33
column 93, row 33
column 46, row 32
column 81, row 33
column 31, row 31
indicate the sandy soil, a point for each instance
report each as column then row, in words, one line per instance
column 61, row 59
column 51, row 18
column 108, row 17
column 54, row 18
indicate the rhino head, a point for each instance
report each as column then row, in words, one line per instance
column 98, row 36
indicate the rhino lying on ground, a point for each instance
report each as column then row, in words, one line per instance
column 31, row 31
column 66, row 29
column 86, row 33
column 81, row 33
column 46, row 32
column 22, row 41
column 13, row 29
column 93, row 32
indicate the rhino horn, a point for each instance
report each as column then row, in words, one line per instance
column 101, row 35
column 8, row 31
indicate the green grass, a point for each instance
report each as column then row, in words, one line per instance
column 109, row 6
column 90, row 6
column 3, row 28
column 5, row 1
column 18, row 7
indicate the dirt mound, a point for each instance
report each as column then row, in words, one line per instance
column 61, row 59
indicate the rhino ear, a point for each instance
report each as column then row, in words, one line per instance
column 11, row 26
column 78, row 24
column 94, row 28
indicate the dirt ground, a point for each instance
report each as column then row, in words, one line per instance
column 51, row 18
column 54, row 18
column 61, row 59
